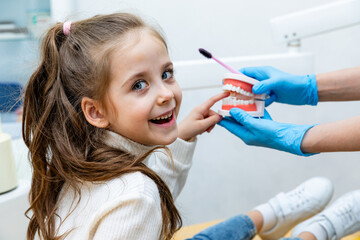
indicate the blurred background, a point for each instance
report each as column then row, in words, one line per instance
column 227, row 176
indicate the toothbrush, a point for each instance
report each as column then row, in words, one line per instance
column 209, row 55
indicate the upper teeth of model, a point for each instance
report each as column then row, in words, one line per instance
column 163, row 117
column 229, row 87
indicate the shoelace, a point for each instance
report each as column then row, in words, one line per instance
column 298, row 198
column 345, row 214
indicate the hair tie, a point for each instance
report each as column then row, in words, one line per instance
column 66, row 28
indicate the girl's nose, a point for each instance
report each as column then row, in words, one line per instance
column 165, row 95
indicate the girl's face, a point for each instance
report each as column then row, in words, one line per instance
column 144, row 97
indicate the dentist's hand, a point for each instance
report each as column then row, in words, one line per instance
column 265, row 132
column 283, row 87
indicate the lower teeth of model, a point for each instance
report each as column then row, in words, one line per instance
column 232, row 101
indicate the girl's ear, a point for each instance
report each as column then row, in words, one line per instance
column 94, row 112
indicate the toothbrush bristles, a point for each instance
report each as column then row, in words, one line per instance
column 205, row 53
column 208, row 55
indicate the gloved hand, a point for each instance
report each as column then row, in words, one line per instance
column 265, row 132
column 283, row 87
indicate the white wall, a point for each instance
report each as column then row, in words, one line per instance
column 229, row 177
column 232, row 27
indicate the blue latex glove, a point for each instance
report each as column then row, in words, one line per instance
column 283, row 87
column 265, row 132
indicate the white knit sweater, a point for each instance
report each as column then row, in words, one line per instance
column 127, row 207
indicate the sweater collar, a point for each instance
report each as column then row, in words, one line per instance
column 115, row 140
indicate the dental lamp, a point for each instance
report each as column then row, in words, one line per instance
column 291, row 28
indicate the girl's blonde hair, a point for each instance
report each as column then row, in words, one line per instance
column 64, row 147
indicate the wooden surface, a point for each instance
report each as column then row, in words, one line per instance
column 189, row 231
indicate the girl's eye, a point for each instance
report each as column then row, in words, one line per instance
column 167, row 74
column 139, row 85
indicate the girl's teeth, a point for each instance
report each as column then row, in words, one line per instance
column 163, row 117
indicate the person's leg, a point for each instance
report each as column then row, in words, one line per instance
column 276, row 217
column 342, row 218
column 240, row 227
column 258, row 221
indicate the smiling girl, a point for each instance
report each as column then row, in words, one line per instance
column 100, row 122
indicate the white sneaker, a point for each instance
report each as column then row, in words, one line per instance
column 304, row 201
column 339, row 220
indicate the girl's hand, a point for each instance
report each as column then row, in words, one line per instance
column 201, row 118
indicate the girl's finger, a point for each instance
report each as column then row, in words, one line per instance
column 211, row 120
column 210, row 128
column 214, row 99
column 211, row 113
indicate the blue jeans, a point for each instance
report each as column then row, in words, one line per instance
column 239, row 227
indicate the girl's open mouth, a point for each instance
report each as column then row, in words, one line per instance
column 163, row 119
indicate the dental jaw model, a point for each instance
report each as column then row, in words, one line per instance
column 240, row 88
column 241, row 95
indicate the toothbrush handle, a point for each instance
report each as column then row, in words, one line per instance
column 225, row 66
